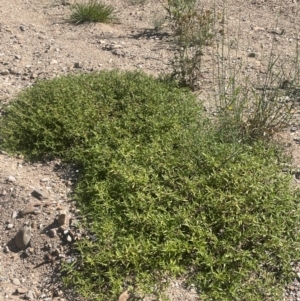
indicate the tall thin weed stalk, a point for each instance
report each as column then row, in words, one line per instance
column 253, row 110
column 192, row 30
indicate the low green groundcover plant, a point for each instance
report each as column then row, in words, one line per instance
column 161, row 192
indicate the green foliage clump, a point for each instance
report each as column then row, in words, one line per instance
column 162, row 193
column 92, row 11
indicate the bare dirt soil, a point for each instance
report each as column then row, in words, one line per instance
column 37, row 43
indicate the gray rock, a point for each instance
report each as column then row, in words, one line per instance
column 33, row 76
column 34, row 225
column 294, row 129
column 52, row 233
column 22, row 290
column 117, row 52
column 124, row 296
column 9, row 226
column 61, row 219
column 77, row 65
column 14, row 71
column 14, row 214
column 39, row 194
column 11, row 179
column 29, row 209
column 45, row 179
column 29, row 295
column 3, row 191
column 4, row 72
column 23, row 237
column 15, row 281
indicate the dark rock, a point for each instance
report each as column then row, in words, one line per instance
column 39, row 194
column 23, row 237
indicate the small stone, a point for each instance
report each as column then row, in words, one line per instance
column 294, row 129
column 116, row 46
column 14, row 71
column 117, row 52
column 11, row 179
column 34, row 225
column 61, row 219
column 56, row 252
column 22, row 27
column 69, row 238
column 45, row 179
column 33, row 76
column 77, row 65
column 29, row 295
column 4, row 72
column 6, row 249
column 256, row 28
column 3, row 191
column 16, row 281
column 14, row 214
column 22, row 290
column 52, row 233
column 9, row 226
column 124, row 296
column 23, row 237
column 29, row 209
column 74, row 223
column 251, row 54
column 53, row 62
column 39, row 194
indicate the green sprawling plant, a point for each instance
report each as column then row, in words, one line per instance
column 161, row 192
column 92, row 11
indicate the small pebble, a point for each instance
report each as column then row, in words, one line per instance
column 124, row 296
column 45, row 179
column 16, row 281
column 39, row 194
column 294, row 129
column 9, row 226
column 34, row 225
column 61, row 219
column 29, row 209
column 23, row 237
column 52, row 233
column 11, row 179
column 30, row 295
column 22, row 290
